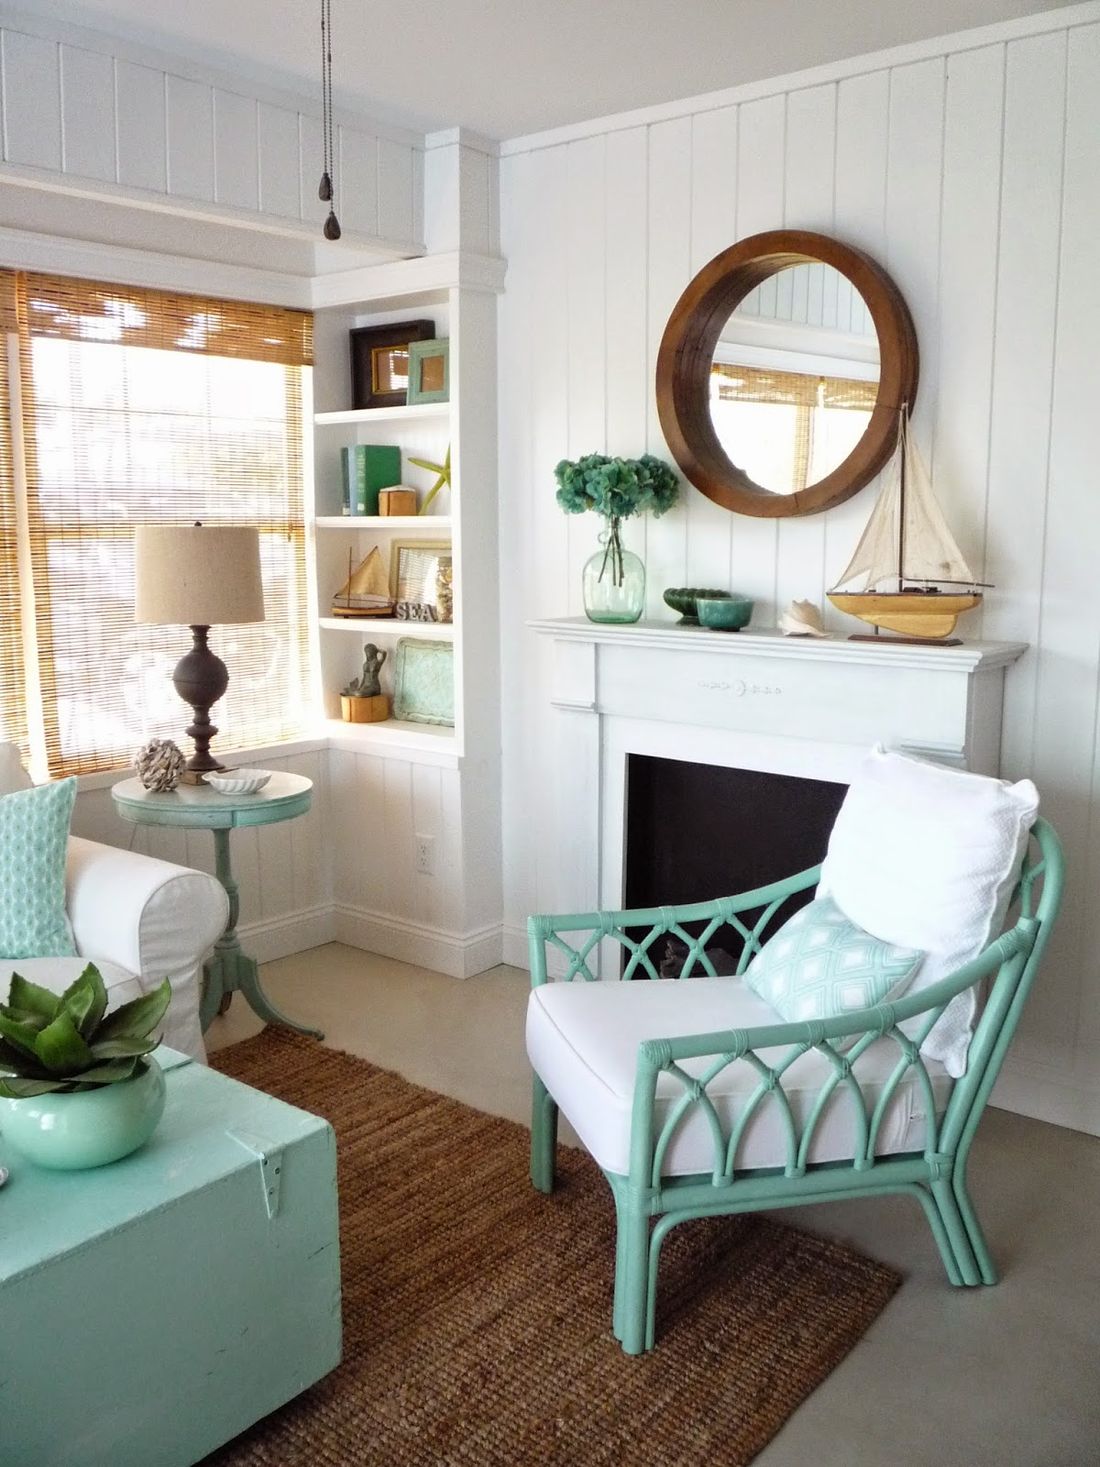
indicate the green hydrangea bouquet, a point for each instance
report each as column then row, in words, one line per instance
column 616, row 487
column 614, row 578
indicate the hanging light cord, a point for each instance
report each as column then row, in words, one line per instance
column 326, row 192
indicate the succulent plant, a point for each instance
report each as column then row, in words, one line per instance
column 69, row 1042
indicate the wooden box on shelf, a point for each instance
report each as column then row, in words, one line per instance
column 399, row 501
column 364, row 710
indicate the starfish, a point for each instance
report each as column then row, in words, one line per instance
column 444, row 472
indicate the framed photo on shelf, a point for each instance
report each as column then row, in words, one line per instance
column 423, row 682
column 420, row 580
column 380, row 362
column 429, row 370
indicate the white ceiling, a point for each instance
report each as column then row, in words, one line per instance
column 508, row 67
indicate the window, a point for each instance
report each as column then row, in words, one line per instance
column 141, row 407
column 787, row 429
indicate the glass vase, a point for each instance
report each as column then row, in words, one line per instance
column 613, row 580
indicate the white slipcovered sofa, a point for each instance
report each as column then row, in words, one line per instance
column 138, row 919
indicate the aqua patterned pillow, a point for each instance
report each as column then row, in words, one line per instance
column 34, row 838
column 819, row 965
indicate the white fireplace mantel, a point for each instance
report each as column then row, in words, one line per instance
column 758, row 700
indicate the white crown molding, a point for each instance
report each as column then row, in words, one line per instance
column 392, row 283
column 25, row 250
column 462, row 137
column 833, row 71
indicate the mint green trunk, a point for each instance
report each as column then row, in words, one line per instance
column 154, row 1308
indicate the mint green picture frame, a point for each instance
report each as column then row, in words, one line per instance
column 423, row 682
column 430, row 360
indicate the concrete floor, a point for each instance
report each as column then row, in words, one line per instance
column 1002, row 1377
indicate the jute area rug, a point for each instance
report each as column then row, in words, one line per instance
column 477, row 1312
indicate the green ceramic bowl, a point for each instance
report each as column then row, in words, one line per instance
column 683, row 599
column 724, row 613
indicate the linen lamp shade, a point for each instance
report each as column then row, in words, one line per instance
column 198, row 576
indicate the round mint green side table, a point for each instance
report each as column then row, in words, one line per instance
column 198, row 806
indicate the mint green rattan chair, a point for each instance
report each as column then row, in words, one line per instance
column 649, row 1201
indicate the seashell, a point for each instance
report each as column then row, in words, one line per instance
column 159, row 765
column 802, row 619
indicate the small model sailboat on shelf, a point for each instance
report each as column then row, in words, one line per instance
column 912, row 577
column 366, row 591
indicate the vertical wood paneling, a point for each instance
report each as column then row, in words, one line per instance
column 1065, row 710
column 190, row 108
column 968, row 292
column 310, row 154
column 760, row 186
column 669, row 269
column 358, row 180
column 88, row 113
column 548, row 539
column 278, row 153
column 32, row 101
column 862, row 131
column 1027, row 287
column 140, row 122
column 713, row 229
column 585, row 299
column 236, row 150
column 395, row 190
column 84, row 113
column 1077, row 389
column 520, row 687
column 810, row 155
column 914, row 185
column 628, row 385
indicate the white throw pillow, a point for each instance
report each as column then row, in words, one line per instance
column 927, row 856
column 820, row 965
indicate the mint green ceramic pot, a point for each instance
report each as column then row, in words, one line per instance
column 68, row 1132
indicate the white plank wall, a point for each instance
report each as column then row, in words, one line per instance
column 972, row 171
column 76, row 103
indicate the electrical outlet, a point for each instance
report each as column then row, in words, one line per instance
column 424, row 855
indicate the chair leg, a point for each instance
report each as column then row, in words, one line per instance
column 987, row 1269
column 944, row 1197
column 631, row 1274
column 939, row 1232
column 544, row 1136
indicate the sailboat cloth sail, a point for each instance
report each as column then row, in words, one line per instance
column 929, row 550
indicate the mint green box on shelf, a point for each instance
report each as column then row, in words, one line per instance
column 367, row 469
column 152, row 1309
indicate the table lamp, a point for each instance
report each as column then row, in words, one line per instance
column 198, row 576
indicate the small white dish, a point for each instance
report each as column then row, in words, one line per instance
column 239, row 781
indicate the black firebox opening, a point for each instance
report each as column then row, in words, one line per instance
column 697, row 831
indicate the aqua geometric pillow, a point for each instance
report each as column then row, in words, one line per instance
column 34, row 837
column 819, row 965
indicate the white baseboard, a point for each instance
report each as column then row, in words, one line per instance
column 515, row 946
column 1047, row 1094
column 458, row 954
column 280, row 937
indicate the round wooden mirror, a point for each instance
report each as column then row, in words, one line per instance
column 782, row 371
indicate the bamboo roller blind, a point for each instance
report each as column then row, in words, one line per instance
column 13, row 712
column 146, row 407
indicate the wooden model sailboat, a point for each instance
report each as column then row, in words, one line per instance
column 366, row 591
column 912, row 577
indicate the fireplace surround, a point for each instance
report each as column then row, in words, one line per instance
column 752, row 701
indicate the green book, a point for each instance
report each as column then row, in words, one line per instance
column 368, row 467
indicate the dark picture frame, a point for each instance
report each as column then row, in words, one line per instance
column 378, row 354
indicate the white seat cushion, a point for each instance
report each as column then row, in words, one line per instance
column 582, row 1040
